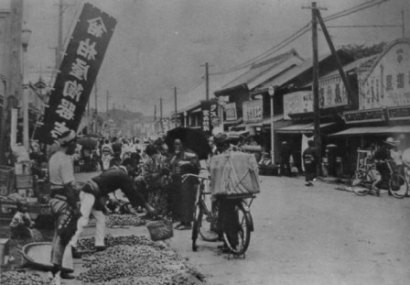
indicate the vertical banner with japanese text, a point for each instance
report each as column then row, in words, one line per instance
column 209, row 116
column 78, row 71
column 205, row 116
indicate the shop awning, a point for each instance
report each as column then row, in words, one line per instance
column 302, row 128
column 380, row 130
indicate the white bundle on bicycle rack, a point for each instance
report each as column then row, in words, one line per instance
column 234, row 173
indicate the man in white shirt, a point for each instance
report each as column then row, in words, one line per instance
column 63, row 199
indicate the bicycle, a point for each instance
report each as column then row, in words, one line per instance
column 242, row 208
column 399, row 183
column 365, row 177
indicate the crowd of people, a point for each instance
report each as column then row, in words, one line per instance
column 150, row 179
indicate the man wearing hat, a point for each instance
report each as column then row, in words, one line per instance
column 382, row 156
column 63, row 199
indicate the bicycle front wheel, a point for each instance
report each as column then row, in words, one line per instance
column 238, row 243
column 398, row 186
column 196, row 227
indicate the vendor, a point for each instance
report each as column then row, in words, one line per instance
column 93, row 196
column 63, row 199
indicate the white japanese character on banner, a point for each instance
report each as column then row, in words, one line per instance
column 66, row 109
column 73, row 89
column 59, row 129
column 79, row 69
column 87, row 49
column 96, row 27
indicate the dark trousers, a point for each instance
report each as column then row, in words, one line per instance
column 310, row 172
column 228, row 219
column 182, row 198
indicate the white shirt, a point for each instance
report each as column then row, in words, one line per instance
column 396, row 156
column 61, row 169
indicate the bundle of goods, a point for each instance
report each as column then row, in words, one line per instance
column 234, row 174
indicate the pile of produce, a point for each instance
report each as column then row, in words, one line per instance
column 120, row 220
column 23, row 278
column 136, row 260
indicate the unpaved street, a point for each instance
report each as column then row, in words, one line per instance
column 314, row 235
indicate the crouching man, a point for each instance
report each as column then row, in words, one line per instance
column 93, row 198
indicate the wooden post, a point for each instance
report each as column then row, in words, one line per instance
column 207, row 81
column 59, row 49
column 160, row 115
column 315, row 89
column 176, row 107
column 334, row 53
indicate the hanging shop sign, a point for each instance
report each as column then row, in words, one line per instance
column 77, row 74
column 206, row 125
column 387, row 84
column 332, row 93
column 252, row 111
column 364, row 116
column 213, row 113
column 230, row 112
column 297, row 102
column 399, row 113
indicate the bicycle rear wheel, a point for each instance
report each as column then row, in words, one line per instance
column 239, row 243
column 398, row 186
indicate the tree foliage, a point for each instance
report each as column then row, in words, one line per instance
column 362, row 50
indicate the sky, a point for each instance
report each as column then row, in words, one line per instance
column 159, row 44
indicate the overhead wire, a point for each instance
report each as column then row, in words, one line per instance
column 300, row 33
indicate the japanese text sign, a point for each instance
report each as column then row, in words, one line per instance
column 78, row 71
column 230, row 112
column 252, row 111
column 209, row 115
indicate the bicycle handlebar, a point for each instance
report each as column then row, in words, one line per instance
column 200, row 178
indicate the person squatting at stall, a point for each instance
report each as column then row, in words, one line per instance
column 93, row 198
column 21, row 223
column 182, row 193
column 63, row 202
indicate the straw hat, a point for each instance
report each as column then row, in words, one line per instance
column 391, row 141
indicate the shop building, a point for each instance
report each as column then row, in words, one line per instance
column 292, row 104
column 383, row 104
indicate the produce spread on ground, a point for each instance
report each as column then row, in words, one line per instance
column 135, row 260
column 127, row 260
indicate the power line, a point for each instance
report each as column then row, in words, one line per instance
column 300, row 33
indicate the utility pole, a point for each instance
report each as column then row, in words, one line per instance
column 59, row 49
column 334, row 53
column 315, row 86
column 207, row 80
column 107, row 102
column 96, row 96
column 176, row 107
column 155, row 112
column 160, row 115
column 403, row 25
column 316, row 110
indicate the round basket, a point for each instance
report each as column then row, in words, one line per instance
column 160, row 230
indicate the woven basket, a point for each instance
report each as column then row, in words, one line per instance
column 160, row 230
